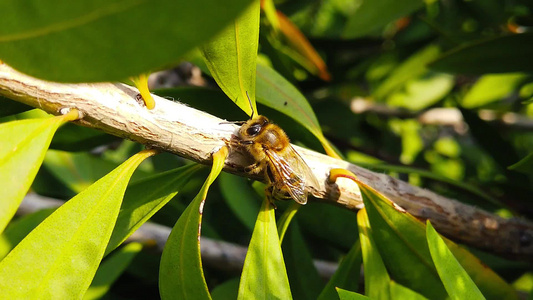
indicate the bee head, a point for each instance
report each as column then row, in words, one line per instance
column 253, row 127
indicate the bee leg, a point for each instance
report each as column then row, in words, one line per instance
column 254, row 168
column 269, row 196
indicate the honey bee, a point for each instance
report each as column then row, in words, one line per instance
column 285, row 171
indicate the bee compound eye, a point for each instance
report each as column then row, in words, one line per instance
column 253, row 130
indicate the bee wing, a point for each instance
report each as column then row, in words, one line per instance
column 293, row 172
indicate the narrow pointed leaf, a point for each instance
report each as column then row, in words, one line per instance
column 401, row 292
column 347, row 275
column 401, row 239
column 106, row 40
column 64, row 266
column 377, row 278
column 110, row 270
column 302, row 45
column 505, row 54
column 347, row 295
column 264, row 275
column 146, row 197
column 456, row 281
column 180, row 274
column 525, row 165
column 24, row 144
column 232, row 57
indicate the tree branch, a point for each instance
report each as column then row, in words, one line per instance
column 193, row 134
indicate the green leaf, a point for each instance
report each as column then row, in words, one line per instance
column 63, row 266
column 277, row 93
column 491, row 88
column 24, row 144
column 504, row 54
column 303, row 277
column 18, row 229
column 371, row 15
column 82, row 41
column 456, row 281
column 377, row 278
column 180, row 274
column 347, row 274
column 422, row 92
column 347, row 295
column 411, row 68
column 111, row 269
column 264, row 275
column 146, row 197
column 401, row 292
column 525, row 165
column 401, row 239
column 232, row 57
column 240, row 197
column 76, row 170
column 227, row 290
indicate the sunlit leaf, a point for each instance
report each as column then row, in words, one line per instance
column 181, row 275
column 504, row 54
column 24, row 144
column 347, row 295
column 401, row 292
column 491, row 88
column 377, row 278
column 264, row 275
column 347, row 275
column 106, row 40
column 232, row 57
column 64, row 266
column 456, row 281
column 371, row 15
column 146, row 197
column 111, row 269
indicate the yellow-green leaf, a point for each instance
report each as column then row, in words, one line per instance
column 111, row 269
column 232, row 57
column 456, row 281
column 59, row 258
column 264, row 275
column 180, row 274
column 377, row 278
column 24, row 144
column 347, row 295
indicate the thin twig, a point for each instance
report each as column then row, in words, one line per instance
column 194, row 134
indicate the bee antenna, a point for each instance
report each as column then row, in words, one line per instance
column 251, row 106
